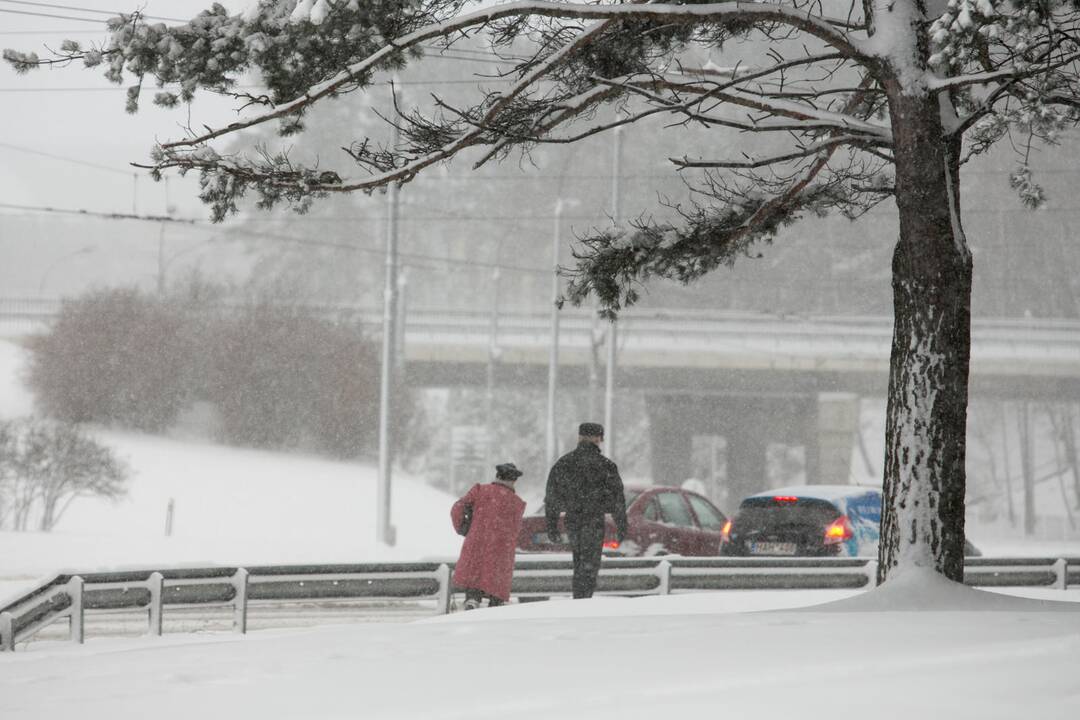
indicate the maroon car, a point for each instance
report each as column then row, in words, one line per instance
column 661, row 520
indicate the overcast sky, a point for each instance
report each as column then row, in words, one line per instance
column 75, row 113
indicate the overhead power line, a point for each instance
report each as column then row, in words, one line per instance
column 414, row 259
column 49, row 15
column 100, row 214
column 82, row 31
column 62, row 158
column 78, row 8
column 120, row 88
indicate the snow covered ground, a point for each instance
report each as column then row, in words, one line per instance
column 909, row 649
column 914, row 646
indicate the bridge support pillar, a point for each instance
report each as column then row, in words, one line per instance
column 747, row 443
column 671, row 432
column 837, row 423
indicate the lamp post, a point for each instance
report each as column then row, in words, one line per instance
column 553, row 350
column 384, row 528
column 85, row 250
column 612, row 334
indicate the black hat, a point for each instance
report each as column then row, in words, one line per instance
column 591, row 430
column 507, row 471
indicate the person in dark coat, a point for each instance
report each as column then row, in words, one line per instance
column 585, row 485
column 486, row 565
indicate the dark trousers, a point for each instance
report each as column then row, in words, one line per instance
column 588, row 545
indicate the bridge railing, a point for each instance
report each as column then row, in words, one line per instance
column 70, row 596
column 1040, row 346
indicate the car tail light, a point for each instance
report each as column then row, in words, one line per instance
column 726, row 532
column 839, row 531
column 785, row 499
column 611, row 544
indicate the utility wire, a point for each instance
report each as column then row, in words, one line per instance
column 50, row 32
column 205, row 226
column 73, row 161
column 48, row 15
column 100, row 214
column 119, row 88
column 76, row 8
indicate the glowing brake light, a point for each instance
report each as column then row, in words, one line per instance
column 611, row 544
column 726, row 532
column 785, row 499
column 839, row 531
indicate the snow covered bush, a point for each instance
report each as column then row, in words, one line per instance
column 287, row 376
column 116, row 357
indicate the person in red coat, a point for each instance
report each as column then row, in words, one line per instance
column 486, row 565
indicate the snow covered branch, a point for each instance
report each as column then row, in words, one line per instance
column 746, row 12
column 752, row 164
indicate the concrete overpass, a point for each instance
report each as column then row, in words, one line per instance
column 694, row 351
column 732, row 353
column 750, row 378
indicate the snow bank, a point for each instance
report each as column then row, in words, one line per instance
column 923, row 589
column 767, row 666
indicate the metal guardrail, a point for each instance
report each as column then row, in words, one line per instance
column 71, row 596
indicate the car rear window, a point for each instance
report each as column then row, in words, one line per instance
column 770, row 511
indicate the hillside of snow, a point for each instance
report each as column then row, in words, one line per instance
column 231, row 506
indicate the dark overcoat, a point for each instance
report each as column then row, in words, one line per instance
column 585, row 485
column 487, row 555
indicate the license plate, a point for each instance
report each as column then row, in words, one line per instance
column 772, row 548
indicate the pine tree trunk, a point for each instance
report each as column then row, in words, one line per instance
column 922, row 520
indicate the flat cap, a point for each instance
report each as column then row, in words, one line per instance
column 590, row 429
column 507, row 471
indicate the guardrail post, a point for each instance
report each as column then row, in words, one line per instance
column 156, row 584
column 871, row 573
column 663, row 571
column 443, row 599
column 7, row 632
column 240, row 582
column 75, row 619
column 1061, row 570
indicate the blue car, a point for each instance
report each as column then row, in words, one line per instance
column 806, row 521
column 809, row 521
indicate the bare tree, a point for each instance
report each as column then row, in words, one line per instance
column 859, row 102
column 46, row 465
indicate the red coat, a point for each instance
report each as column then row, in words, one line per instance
column 487, row 556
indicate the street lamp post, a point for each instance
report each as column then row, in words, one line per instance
column 553, row 354
column 612, row 334
column 384, row 529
